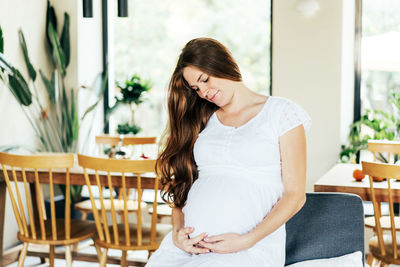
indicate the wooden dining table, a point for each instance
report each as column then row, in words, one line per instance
column 76, row 178
column 340, row 179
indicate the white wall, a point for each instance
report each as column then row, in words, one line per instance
column 85, row 45
column 308, row 60
column 27, row 15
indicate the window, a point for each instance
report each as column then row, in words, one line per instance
column 149, row 41
column 378, row 73
column 380, row 53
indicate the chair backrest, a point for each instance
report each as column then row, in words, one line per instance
column 384, row 151
column 126, row 140
column 329, row 225
column 14, row 170
column 388, row 171
column 127, row 169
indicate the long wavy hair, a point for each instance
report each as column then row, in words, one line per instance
column 188, row 116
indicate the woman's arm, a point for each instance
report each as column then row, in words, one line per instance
column 293, row 156
column 180, row 234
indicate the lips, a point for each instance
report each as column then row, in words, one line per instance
column 213, row 97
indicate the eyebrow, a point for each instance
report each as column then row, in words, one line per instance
column 198, row 79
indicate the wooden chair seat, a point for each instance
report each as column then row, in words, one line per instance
column 162, row 210
column 161, row 231
column 375, row 251
column 86, row 205
column 80, row 230
column 385, row 222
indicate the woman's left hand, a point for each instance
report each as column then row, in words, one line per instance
column 226, row 243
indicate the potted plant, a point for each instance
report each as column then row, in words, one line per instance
column 54, row 121
column 380, row 124
column 131, row 93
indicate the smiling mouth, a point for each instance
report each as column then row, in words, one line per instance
column 212, row 98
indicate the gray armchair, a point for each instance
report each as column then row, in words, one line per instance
column 329, row 225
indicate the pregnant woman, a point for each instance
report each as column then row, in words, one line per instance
column 233, row 166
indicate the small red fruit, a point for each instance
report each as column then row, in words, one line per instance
column 358, row 175
column 377, row 179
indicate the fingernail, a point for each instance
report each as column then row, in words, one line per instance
column 205, row 234
column 208, row 251
column 206, row 239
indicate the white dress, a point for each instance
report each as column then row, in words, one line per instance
column 239, row 182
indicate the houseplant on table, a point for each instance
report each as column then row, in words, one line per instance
column 382, row 126
column 55, row 121
column 131, row 94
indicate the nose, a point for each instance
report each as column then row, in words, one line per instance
column 204, row 90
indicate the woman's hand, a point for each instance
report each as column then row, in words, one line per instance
column 190, row 245
column 227, row 243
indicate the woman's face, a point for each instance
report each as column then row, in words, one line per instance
column 216, row 90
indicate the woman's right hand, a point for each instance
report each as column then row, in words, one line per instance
column 181, row 240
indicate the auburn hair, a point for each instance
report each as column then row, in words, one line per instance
column 188, row 116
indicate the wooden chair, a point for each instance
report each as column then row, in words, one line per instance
column 36, row 228
column 85, row 207
column 163, row 211
column 382, row 150
column 128, row 235
column 125, row 140
column 383, row 247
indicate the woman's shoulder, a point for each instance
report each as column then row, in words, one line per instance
column 286, row 114
column 280, row 100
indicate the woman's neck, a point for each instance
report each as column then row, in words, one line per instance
column 242, row 97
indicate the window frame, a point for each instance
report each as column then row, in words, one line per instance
column 105, row 40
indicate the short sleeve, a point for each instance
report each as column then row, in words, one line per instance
column 291, row 116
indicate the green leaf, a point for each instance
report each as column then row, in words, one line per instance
column 31, row 69
column 19, row 88
column 103, row 87
column 66, row 118
column 74, row 116
column 65, row 40
column 1, row 41
column 5, row 65
column 58, row 54
column 51, row 18
column 49, row 87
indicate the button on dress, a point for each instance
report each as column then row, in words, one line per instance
column 238, row 184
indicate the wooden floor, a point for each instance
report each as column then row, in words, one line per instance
column 132, row 255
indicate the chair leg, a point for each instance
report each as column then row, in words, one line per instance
column 84, row 215
column 150, row 253
column 99, row 253
column 123, row 259
column 22, row 255
column 51, row 256
column 103, row 260
column 370, row 259
column 75, row 247
column 68, row 256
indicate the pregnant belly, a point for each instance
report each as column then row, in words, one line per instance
column 223, row 205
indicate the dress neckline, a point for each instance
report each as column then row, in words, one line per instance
column 246, row 123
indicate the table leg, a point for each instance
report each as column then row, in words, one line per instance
column 2, row 214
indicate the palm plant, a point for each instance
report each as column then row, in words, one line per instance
column 55, row 121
